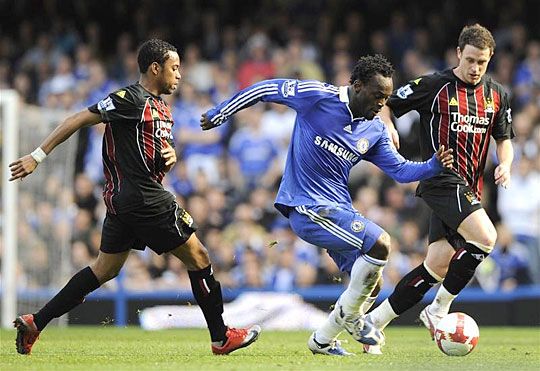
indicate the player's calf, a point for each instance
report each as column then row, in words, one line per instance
column 463, row 265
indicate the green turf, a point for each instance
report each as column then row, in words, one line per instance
column 99, row 348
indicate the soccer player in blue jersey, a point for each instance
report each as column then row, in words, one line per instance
column 336, row 128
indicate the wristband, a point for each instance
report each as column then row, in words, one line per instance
column 38, row 155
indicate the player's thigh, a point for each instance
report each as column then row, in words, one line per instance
column 117, row 235
column 345, row 233
column 478, row 227
column 451, row 203
column 165, row 231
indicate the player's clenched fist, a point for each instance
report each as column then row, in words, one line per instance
column 206, row 124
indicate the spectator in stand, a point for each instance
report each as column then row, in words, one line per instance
column 519, row 208
column 512, row 260
column 198, row 72
column 253, row 155
column 200, row 152
column 277, row 124
column 258, row 65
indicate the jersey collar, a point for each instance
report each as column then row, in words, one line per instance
column 344, row 97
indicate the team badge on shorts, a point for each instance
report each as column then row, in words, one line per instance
column 362, row 145
column 357, row 226
column 186, row 218
column 471, row 198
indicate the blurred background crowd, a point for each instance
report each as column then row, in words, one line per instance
column 68, row 55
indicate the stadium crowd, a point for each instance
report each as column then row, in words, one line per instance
column 227, row 178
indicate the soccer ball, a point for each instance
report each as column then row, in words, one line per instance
column 457, row 334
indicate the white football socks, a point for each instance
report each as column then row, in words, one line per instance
column 365, row 273
column 441, row 304
column 329, row 330
column 382, row 315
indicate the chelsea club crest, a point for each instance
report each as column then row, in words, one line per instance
column 362, row 146
column 357, row 226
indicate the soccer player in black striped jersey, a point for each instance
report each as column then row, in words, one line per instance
column 460, row 108
column 137, row 152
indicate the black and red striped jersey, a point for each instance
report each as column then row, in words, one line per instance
column 138, row 125
column 459, row 116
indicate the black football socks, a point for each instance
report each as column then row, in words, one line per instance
column 71, row 295
column 207, row 293
column 411, row 289
column 462, row 267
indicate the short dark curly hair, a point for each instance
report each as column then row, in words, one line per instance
column 153, row 50
column 369, row 66
column 477, row 36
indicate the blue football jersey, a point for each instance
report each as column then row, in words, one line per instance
column 327, row 141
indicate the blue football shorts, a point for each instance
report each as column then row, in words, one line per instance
column 344, row 232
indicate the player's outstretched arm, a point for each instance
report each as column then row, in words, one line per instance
column 406, row 171
column 386, row 157
column 28, row 163
column 299, row 95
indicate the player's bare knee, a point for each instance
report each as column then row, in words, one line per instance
column 484, row 241
column 381, row 249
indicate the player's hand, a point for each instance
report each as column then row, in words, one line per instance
column 22, row 167
column 394, row 136
column 169, row 155
column 206, row 124
column 502, row 175
column 446, row 159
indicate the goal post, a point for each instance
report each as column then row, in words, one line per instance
column 9, row 101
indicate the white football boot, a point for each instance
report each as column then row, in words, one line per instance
column 333, row 348
column 361, row 331
column 429, row 320
column 372, row 349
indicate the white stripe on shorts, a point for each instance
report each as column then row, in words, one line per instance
column 458, row 200
column 331, row 227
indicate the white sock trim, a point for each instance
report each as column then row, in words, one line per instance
column 369, row 259
column 485, row 248
column 432, row 273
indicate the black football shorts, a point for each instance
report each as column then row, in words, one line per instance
column 450, row 205
column 162, row 231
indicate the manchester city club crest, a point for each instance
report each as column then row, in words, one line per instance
column 357, row 226
column 362, row 145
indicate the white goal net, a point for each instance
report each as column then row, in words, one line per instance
column 37, row 212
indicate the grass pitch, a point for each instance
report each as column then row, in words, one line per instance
column 100, row 348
